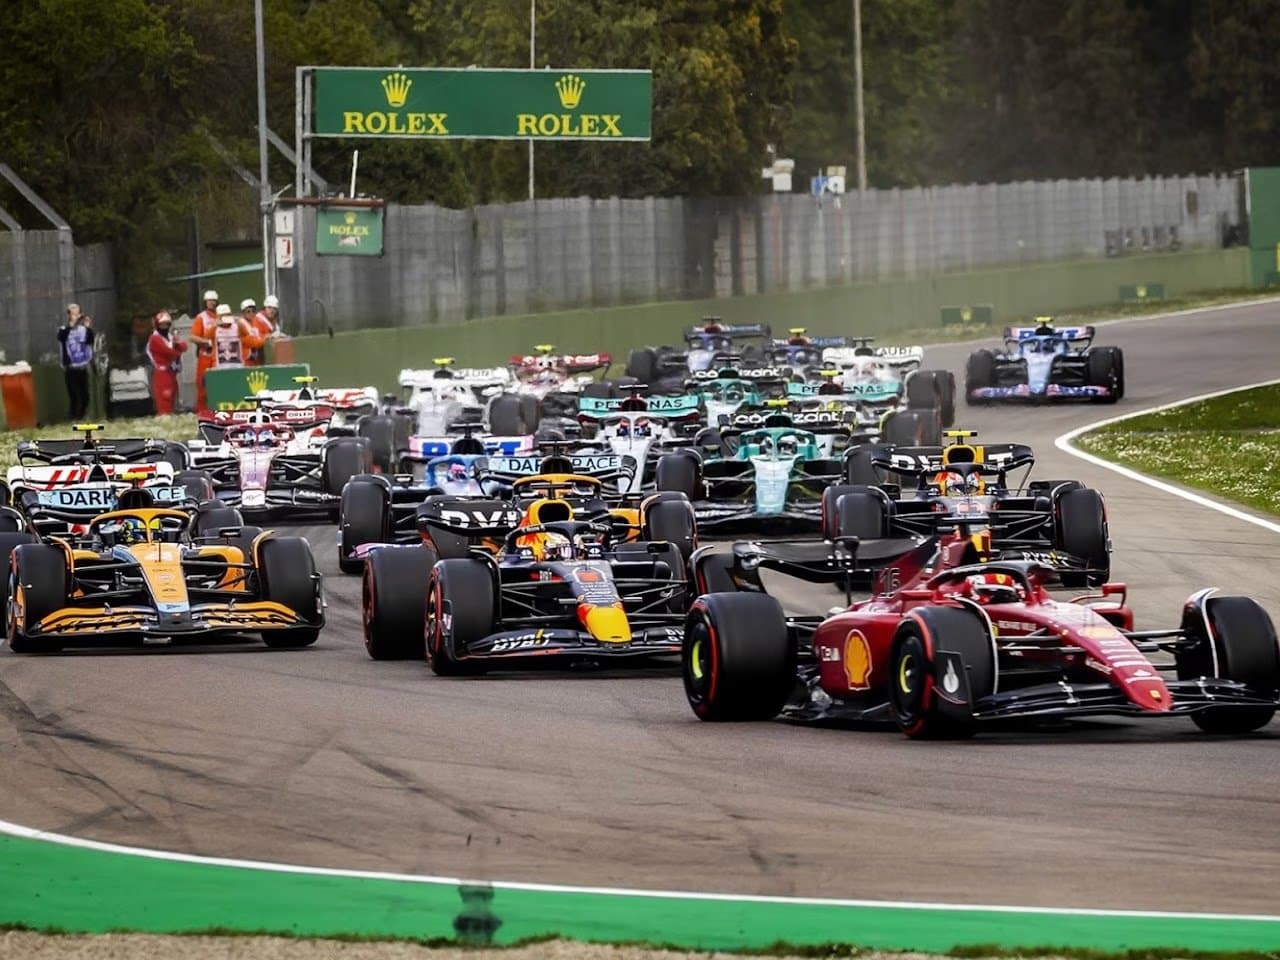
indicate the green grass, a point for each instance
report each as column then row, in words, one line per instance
column 1099, row 314
column 1228, row 446
column 179, row 426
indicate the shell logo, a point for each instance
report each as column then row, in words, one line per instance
column 857, row 660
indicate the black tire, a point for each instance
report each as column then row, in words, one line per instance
column 506, row 417
column 858, row 468
column 42, row 572
column 287, row 571
column 343, row 459
column 599, row 389
column 9, row 542
column 198, row 484
column 947, row 391
column 363, row 517
column 913, row 428
column 853, row 511
column 923, row 390
column 530, row 413
column 671, row 520
column 737, row 659
column 1081, row 524
column 643, row 365
column 1244, row 643
column 11, row 522
column 980, row 371
column 393, row 601
column 1106, row 369
column 380, row 431
column 467, row 589
column 913, row 670
column 678, row 473
column 212, row 516
column 176, row 455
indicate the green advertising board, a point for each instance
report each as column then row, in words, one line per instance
column 348, row 230
column 227, row 387
column 482, row 104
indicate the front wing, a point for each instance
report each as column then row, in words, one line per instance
column 72, row 624
column 568, row 643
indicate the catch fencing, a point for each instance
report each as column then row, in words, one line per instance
column 444, row 266
column 41, row 271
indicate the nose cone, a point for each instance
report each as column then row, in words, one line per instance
column 606, row 624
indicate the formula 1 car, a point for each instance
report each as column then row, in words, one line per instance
column 967, row 486
column 760, row 471
column 139, row 575
column 449, row 395
column 637, row 427
column 379, row 509
column 943, row 646
column 59, row 485
column 355, row 412
column 707, row 345
column 555, row 380
column 1045, row 362
column 278, row 459
column 557, row 588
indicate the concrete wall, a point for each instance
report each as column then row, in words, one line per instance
column 357, row 358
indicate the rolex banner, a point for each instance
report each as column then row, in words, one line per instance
column 229, row 387
column 483, row 104
column 350, row 230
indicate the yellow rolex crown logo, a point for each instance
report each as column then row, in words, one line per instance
column 257, row 380
column 396, row 87
column 570, row 88
column 349, row 218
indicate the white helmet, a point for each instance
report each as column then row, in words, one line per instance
column 271, row 300
column 224, row 310
column 246, row 303
column 211, row 294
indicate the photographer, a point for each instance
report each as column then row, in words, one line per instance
column 76, row 338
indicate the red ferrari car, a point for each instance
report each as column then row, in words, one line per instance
column 943, row 645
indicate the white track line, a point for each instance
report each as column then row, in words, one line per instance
column 1066, row 444
column 17, row 830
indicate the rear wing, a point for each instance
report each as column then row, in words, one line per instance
column 816, row 561
column 1075, row 335
column 612, row 470
column 338, row 397
column 279, row 414
column 62, row 476
column 659, row 406
column 734, row 331
column 114, row 451
column 994, row 458
column 565, row 362
column 469, row 517
column 471, row 376
column 422, row 449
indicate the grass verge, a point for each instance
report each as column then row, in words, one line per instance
column 179, row 426
column 1228, row 446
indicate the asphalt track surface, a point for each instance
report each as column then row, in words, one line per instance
column 323, row 757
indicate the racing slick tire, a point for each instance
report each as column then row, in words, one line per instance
column 643, row 365
column 393, row 601
column 913, row 428
column 41, row 572
column 198, row 484
column 859, row 468
column 506, row 415
column 212, row 516
column 1244, row 647
column 671, row 519
column 854, row 511
column 914, row 673
column 364, row 516
column 1106, row 369
column 979, row 371
column 467, row 588
column 1081, row 531
column 600, row 389
column 287, row 571
column 11, row 522
column 737, row 659
column 947, row 393
column 530, row 413
column 176, row 455
column 343, row 459
column 380, row 431
column 10, row 540
column 678, row 473
column 924, row 389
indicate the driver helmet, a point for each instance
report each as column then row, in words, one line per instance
column 547, row 546
column 128, row 531
column 952, row 484
column 996, row 588
column 266, row 436
column 457, row 473
column 788, row 446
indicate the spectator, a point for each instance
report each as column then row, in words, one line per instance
column 202, row 329
column 164, row 351
column 76, row 338
column 265, row 320
column 256, row 356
